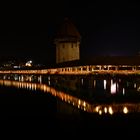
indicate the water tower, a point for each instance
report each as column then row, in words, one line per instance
column 67, row 42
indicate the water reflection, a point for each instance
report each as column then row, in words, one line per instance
column 123, row 91
column 113, row 87
column 81, row 104
column 104, row 84
column 87, row 85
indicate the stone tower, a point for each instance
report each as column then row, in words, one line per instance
column 67, row 42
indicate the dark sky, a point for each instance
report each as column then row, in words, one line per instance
column 106, row 27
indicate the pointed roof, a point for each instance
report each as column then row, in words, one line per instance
column 67, row 30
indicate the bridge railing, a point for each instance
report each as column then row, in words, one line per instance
column 89, row 69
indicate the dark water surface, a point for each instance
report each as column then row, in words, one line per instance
column 35, row 109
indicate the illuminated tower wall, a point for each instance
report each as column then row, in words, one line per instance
column 67, row 43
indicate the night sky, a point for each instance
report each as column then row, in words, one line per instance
column 107, row 28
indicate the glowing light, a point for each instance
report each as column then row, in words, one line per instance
column 125, row 110
column 44, row 88
column 104, row 84
column 100, row 112
column 30, row 78
column 97, row 108
column 84, row 104
column 110, row 110
column 113, row 87
column 79, row 102
column 135, row 85
column 16, row 77
column 123, row 91
column 29, row 63
column 105, row 109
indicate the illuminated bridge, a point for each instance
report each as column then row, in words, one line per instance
column 75, row 101
column 87, row 69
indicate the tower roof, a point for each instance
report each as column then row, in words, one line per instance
column 67, row 30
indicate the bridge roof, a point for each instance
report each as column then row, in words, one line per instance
column 103, row 60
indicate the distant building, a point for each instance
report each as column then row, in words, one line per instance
column 67, row 43
column 29, row 63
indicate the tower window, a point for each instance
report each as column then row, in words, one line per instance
column 63, row 45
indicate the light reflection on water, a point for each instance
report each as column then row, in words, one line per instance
column 103, row 85
column 81, row 104
column 113, row 87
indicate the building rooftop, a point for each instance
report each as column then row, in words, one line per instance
column 67, row 31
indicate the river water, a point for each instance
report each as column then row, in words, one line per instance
column 75, row 101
